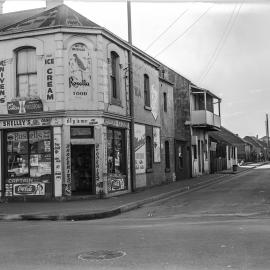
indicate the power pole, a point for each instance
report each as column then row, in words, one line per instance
column 131, row 100
column 267, row 134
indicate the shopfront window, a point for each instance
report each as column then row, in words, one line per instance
column 29, row 162
column 116, row 152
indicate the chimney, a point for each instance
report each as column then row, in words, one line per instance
column 53, row 3
column 1, row 6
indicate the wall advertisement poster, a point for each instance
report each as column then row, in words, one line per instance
column 140, row 155
column 156, row 135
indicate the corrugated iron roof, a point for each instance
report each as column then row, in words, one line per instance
column 59, row 16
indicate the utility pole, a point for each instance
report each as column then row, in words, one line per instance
column 131, row 100
column 267, row 134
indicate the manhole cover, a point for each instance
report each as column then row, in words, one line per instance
column 101, row 255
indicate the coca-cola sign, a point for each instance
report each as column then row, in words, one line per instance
column 29, row 189
column 33, row 106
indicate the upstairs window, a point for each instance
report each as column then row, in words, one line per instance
column 165, row 102
column 26, row 73
column 115, row 75
column 146, row 90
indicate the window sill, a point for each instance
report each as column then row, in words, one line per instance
column 167, row 169
column 149, row 170
column 147, row 108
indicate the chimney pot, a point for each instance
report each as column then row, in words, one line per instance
column 53, row 3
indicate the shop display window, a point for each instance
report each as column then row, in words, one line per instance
column 29, row 153
column 116, row 151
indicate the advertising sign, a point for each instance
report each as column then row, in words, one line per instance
column 140, row 152
column 79, row 70
column 116, row 183
column 155, row 101
column 29, row 189
column 156, row 134
column 24, row 106
column 50, row 78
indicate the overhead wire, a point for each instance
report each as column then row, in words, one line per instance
column 183, row 33
column 166, row 30
column 222, row 41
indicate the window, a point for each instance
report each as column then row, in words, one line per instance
column 115, row 75
column 149, row 153
column 81, row 132
column 146, row 90
column 29, row 153
column 26, row 73
column 165, row 102
column 116, row 151
column 167, row 155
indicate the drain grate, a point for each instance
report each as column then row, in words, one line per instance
column 101, row 255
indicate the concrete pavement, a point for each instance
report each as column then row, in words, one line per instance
column 102, row 208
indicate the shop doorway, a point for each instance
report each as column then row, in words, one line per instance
column 82, row 169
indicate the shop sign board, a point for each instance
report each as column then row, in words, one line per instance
column 24, row 106
column 83, row 121
column 22, row 123
column 140, row 151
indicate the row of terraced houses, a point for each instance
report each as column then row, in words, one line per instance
column 65, row 120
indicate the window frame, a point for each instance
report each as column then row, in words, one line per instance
column 115, row 78
column 146, row 91
column 24, row 73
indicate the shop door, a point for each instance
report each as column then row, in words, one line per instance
column 82, row 168
column 181, row 160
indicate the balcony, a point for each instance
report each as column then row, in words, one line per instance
column 205, row 109
column 205, row 119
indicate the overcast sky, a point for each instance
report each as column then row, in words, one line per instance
column 221, row 46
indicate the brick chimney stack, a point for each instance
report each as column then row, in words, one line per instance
column 53, row 3
column 1, row 6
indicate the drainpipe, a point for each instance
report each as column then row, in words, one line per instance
column 131, row 102
column 191, row 163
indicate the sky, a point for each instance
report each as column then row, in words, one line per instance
column 223, row 46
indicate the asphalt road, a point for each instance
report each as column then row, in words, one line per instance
column 224, row 226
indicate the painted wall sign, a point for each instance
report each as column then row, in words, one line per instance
column 99, row 179
column 155, row 101
column 50, row 75
column 84, row 121
column 156, row 135
column 67, row 184
column 140, row 155
column 79, row 70
column 24, row 106
column 57, row 158
column 3, row 81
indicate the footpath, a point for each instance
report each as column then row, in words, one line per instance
column 102, row 208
